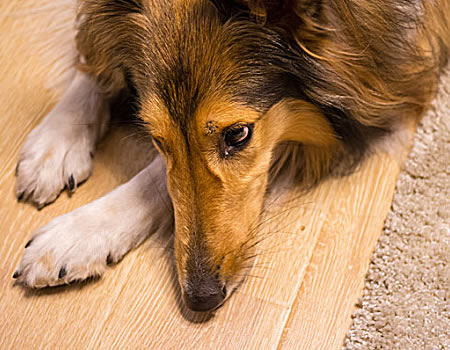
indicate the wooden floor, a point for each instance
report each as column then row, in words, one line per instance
column 301, row 294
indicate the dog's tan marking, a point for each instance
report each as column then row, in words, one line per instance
column 47, row 155
column 300, row 121
column 47, row 261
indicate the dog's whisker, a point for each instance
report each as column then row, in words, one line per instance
column 249, row 275
column 134, row 134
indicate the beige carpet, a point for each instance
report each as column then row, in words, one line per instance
column 406, row 304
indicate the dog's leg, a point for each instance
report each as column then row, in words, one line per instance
column 58, row 152
column 81, row 243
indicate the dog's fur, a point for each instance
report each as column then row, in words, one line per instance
column 313, row 82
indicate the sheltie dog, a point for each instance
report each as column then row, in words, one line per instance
column 236, row 96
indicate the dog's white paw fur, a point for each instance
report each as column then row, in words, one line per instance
column 71, row 247
column 58, row 152
column 52, row 158
column 80, row 244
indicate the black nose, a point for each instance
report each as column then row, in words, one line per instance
column 204, row 297
column 203, row 303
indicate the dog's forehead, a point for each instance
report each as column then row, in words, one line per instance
column 203, row 58
column 208, row 91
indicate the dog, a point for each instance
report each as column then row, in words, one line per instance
column 237, row 97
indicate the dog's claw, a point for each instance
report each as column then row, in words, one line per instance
column 20, row 196
column 16, row 274
column 62, row 272
column 71, row 182
column 28, row 243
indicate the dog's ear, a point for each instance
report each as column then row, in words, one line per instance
column 301, row 20
column 286, row 13
column 300, row 121
column 294, row 120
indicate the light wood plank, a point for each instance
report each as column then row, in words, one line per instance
column 334, row 279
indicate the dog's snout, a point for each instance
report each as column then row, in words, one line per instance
column 204, row 296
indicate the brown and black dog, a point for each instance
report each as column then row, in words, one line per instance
column 235, row 94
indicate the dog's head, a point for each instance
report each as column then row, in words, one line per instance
column 219, row 103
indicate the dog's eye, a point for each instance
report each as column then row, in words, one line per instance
column 235, row 138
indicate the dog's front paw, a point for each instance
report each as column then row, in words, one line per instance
column 81, row 243
column 71, row 247
column 52, row 158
